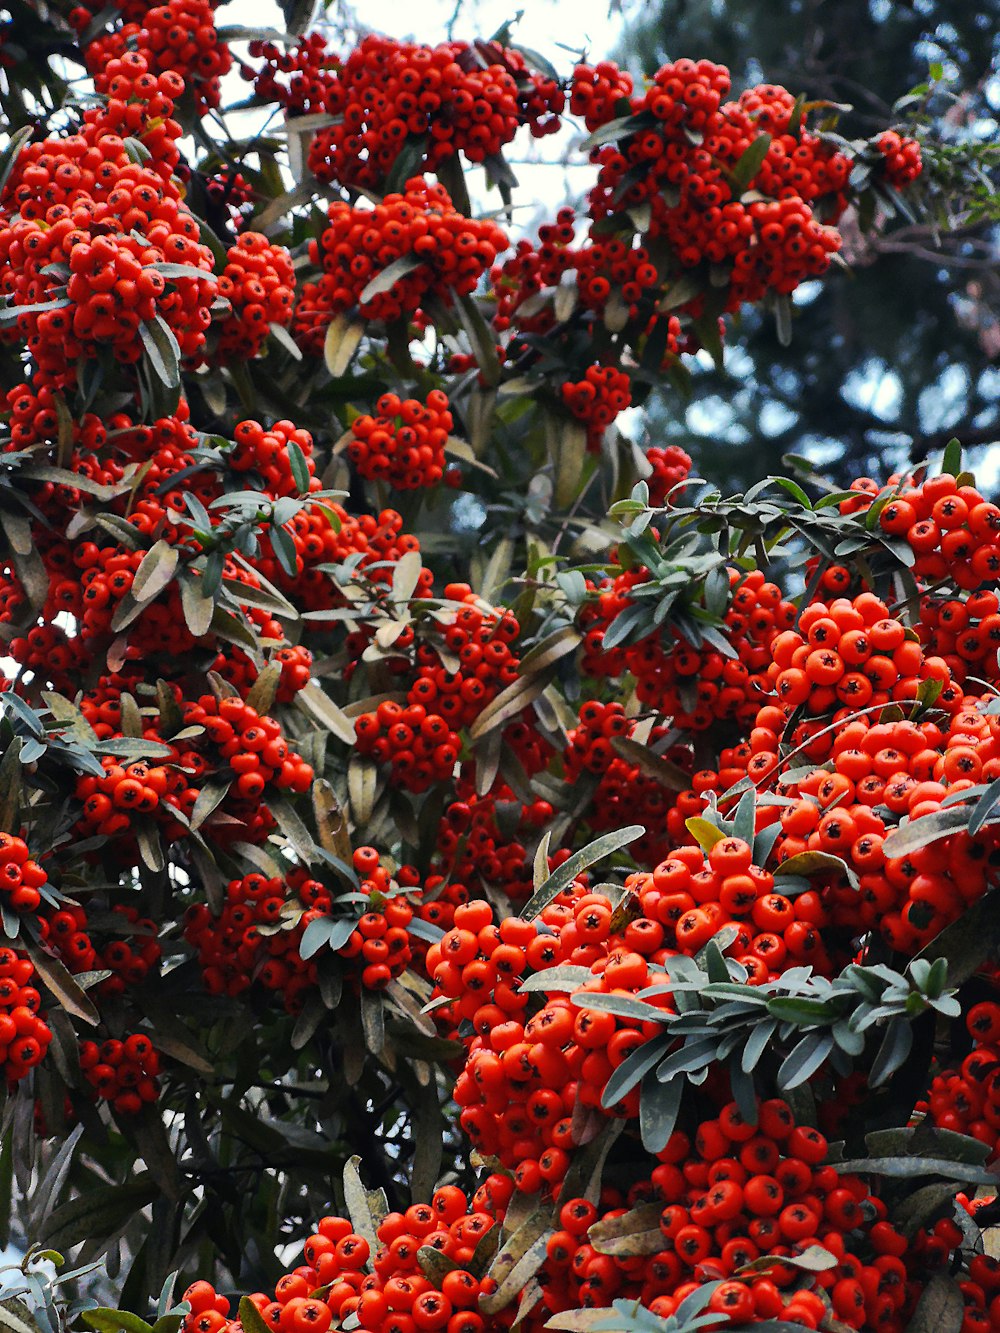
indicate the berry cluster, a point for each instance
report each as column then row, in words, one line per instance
column 83, row 229
column 455, row 678
column 129, row 960
column 314, row 74
column 524, row 1074
column 443, row 252
column 472, row 850
column 597, row 90
column 232, row 742
column 388, row 1290
column 625, row 793
column 680, row 159
column 876, row 773
column 322, row 534
column 965, row 634
column 597, row 399
column 903, row 162
column 263, row 451
column 696, row 687
column 951, row 528
column 692, row 896
column 420, row 745
column 605, row 266
column 179, row 37
column 852, row 652
column 259, row 283
column 234, row 952
column 671, row 466
column 470, row 663
column 24, row 1036
column 21, row 878
column 404, row 443
column 967, row 1099
column 464, row 99
column 122, row 1072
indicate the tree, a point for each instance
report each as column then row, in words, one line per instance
column 417, row 825
column 931, row 353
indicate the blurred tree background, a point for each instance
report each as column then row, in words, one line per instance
column 891, row 367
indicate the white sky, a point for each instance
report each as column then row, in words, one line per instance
column 544, row 23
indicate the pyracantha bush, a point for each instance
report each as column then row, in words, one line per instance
column 617, row 890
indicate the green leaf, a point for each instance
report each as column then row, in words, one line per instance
column 632, row 1069
column 801, row 1010
column 284, row 550
column 211, row 796
column 388, row 277
column 16, row 1316
column 197, row 606
column 795, row 122
column 905, row 1168
column 917, row 833
column 298, row 466
column 815, row 863
column 366, row 1208
column 12, row 151
column 537, row 668
column 625, row 1006
column 10, row 783
column 168, row 270
column 110, row 1321
column 659, row 1106
column 566, row 977
column 896, row 1046
column 951, row 463
column 407, row 163
column 251, row 1319
column 756, row 1044
column 162, row 350
column 582, row 860
column 631, row 1235
column 750, row 161
column 984, row 807
column 744, row 820
column 667, row 774
column 925, row 1137
column 325, row 930
column 705, row 834
column 293, row 827
column 804, row 1060
column 613, row 130
column 97, row 1213
column 262, row 692
column 6, row 1187
column 813, row 1259
column 783, row 318
column 481, row 337
column 10, row 314
column 314, row 701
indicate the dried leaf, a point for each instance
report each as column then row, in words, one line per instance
column 320, row 707
column 63, row 985
column 343, row 337
column 264, row 689
column 362, row 788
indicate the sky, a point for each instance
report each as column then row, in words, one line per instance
column 544, row 23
